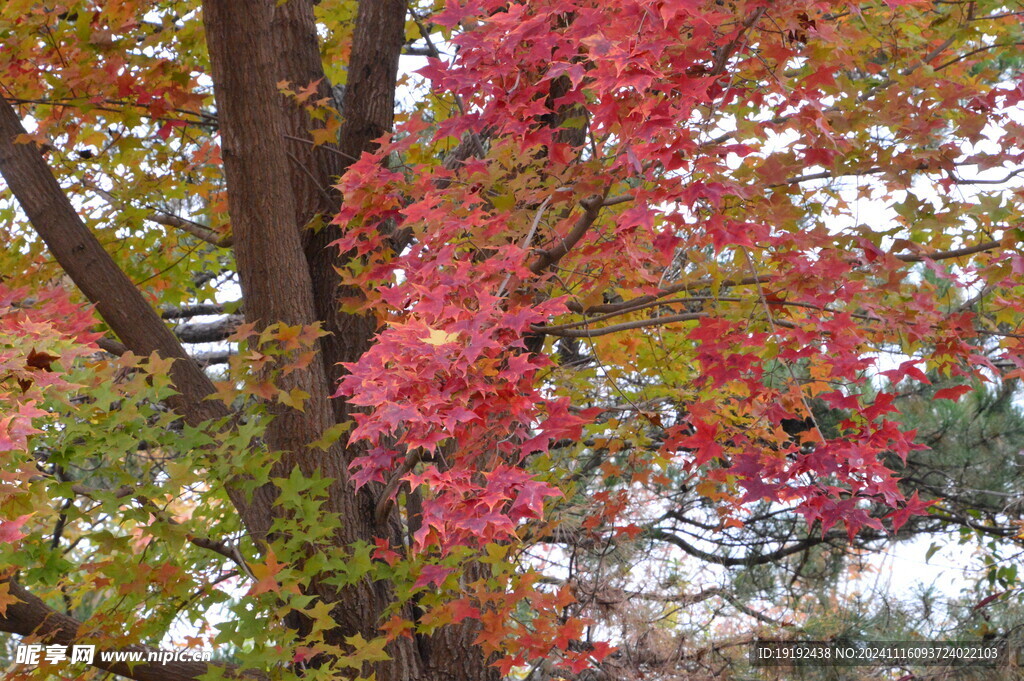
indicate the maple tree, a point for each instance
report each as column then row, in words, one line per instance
column 605, row 258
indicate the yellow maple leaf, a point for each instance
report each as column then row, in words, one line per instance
column 265, row 574
column 6, row 598
column 439, row 337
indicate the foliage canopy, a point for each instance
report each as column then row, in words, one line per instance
column 596, row 295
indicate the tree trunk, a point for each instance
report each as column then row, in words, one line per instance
column 276, row 191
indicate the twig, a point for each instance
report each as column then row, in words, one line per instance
column 528, row 239
column 1009, row 176
column 667, row 291
column 697, row 299
column 325, row 146
column 955, row 253
column 197, row 230
column 229, row 551
column 624, row 326
column 723, row 53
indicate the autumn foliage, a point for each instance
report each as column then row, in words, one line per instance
column 596, row 253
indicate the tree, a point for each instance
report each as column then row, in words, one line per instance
column 841, row 591
column 496, row 341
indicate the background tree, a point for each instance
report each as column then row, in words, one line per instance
column 503, row 355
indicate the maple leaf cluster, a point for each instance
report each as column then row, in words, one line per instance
column 615, row 251
column 662, row 200
column 41, row 335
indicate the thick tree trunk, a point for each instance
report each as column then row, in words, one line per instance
column 272, row 270
column 278, row 287
column 275, row 191
column 368, row 113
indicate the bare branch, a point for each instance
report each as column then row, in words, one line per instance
column 222, row 548
column 1006, row 178
column 831, row 175
column 206, row 359
column 746, row 561
column 607, row 309
column 955, row 253
column 112, row 346
column 201, row 232
column 624, row 326
column 197, row 310
column 208, row 332
column 667, row 291
column 971, row 53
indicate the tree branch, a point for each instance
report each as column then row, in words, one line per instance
column 93, row 270
column 197, row 310
column 385, row 502
column 201, row 232
column 205, row 359
column 667, row 291
column 208, row 332
column 723, row 53
column 1006, row 178
column 643, row 301
column 955, row 253
column 222, row 548
column 830, row 175
column 591, row 209
column 30, row 616
column 624, row 326
column 746, row 561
